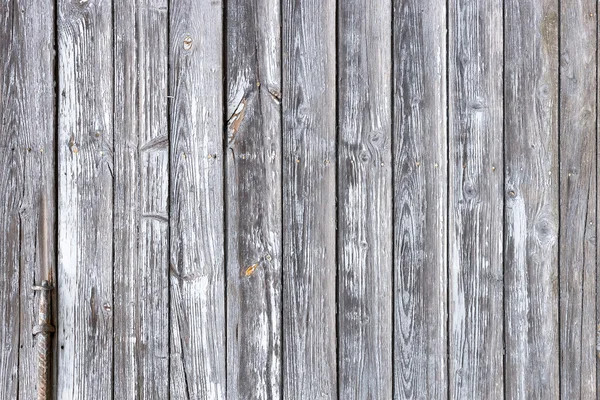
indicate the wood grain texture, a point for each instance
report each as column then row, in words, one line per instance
column 309, row 212
column 531, row 195
column 578, row 24
column 197, row 285
column 476, row 199
column 141, row 344
column 365, row 200
column 85, row 226
column 253, row 199
column 420, row 200
column 27, row 170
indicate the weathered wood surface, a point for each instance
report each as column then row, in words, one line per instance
column 531, row 199
column 27, row 126
column 309, row 203
column 364, row 200
column 475, row 199
column 578, row 190
column 197, row 265
column 141, row 246
column 253, row 199
column 85, row 198
column 420, row 200
column 278, row 199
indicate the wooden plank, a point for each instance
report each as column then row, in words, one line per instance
column 420, row 200
column 365, row 200
column 196, row 201
column 27, row 170
column 577, row 277
column 531, row 193
column 141, row 344
column 85, row 226
column 309, row 214
column 253, row 199
column 476, row 199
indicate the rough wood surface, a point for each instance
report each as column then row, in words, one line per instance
column 253, row 199
column 309, row 217
column 476, row 199
column 420, row 200
column 365, row 200
column 577, row 238
column 531, row 195
column 27, row 126
column 197, row 310
column 85, row 224
column 141, row 346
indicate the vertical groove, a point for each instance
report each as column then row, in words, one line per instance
column 393, row 208
column 224, row 183
column 54, row 271
column 559, row 37
column 337, row 202
column 595, row 351
column 504, row 341
column 168, row 273
column 112, row 262
column 448, row 211
column 282, row 218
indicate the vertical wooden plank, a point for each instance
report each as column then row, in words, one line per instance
column 309, row 214
column 420, row 199
column 27, row 170
column 531, row 193
column 85, row 226
column 476, row 199
column 578, row 47
column 365, row 200
column 141, row 365
column 253, row 199
column 197, row 206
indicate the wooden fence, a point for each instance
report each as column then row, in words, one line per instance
column 301, row 199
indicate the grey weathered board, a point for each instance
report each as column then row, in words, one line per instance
column 364, row 200
column 577, row 175
column 420, row 162
column 27, row 165
column 274, row 199
column 141, row 187
column 253, row 199
column 475, row 268
column 531, row 199
column 85, row 200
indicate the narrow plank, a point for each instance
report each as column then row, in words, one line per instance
column 27, row 126
column 531, row 193
column 85, row 202
column 577, row 276
column 253, row 199
column 141, row 325
column 197, row 300
column 476, row 199
column 365, row 200
column 309, row 214
column 420, row 200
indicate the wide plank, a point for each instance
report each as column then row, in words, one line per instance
column 253, row 199
column 531, row 195
column 309, row 211
column 420, row 200
column 27, row 174
column 364, row 199
column 196, row 210
column 577, row 236
column 476, row 199
column 141, row 297
column 85, row 201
